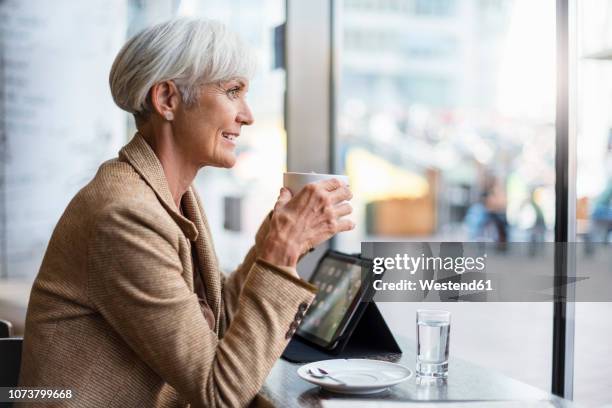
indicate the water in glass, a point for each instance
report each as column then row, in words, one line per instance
column 432, row 347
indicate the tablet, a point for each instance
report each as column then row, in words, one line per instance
column 338, row 304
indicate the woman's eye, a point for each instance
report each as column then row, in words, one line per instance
column 233, row 92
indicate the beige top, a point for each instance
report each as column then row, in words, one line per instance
column 113, row 314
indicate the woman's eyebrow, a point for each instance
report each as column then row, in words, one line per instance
column 234, row 83
column 241, row 83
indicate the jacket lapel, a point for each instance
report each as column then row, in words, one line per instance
column 194, row 225
column 206, row 256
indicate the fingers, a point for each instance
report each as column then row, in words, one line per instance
column 331, row 188
column 342, row 193
column 330, row 184
column 328, row 229
column 283, row 198
column 344, row 225
column 343, row 209
column 332, row 227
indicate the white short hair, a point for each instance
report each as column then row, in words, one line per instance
column 189, row 51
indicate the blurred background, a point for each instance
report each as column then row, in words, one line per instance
column 441, row 112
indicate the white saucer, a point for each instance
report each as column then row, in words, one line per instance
column 361, row 376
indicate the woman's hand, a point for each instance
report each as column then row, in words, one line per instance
column 302, row 222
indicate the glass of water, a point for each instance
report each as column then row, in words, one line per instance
column 433, row 329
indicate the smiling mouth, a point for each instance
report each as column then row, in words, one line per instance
column 230, row 136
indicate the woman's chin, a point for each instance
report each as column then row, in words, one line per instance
column 226, row 162
column 221, row 158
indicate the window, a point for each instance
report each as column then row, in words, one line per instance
column 446, row 128
column 592, row 380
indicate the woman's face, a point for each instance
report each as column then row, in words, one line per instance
column 209, row 130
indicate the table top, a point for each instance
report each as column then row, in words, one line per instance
column 467, row 385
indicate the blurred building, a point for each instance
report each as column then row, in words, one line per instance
column 421, row 89
column 442, row 53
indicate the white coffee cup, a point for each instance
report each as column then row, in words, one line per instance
column 296, row 181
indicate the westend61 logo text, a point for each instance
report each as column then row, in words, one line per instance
column 412, row 264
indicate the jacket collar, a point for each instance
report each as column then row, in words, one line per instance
column 141, row 156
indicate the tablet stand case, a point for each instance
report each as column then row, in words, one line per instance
column 371, row 338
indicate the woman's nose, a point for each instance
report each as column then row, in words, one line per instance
column 245, row 116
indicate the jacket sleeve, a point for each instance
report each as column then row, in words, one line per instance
column 233, row 283
column 135, row 281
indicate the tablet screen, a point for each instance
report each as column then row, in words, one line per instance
column 339, row 283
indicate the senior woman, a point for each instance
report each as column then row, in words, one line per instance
column 129, row 308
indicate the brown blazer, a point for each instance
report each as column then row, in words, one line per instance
column 113, row 315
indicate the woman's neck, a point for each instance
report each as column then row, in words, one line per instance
column 179, row 174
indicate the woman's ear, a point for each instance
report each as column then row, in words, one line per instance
column 165, row 98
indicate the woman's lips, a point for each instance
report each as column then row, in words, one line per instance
column 230, row 138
